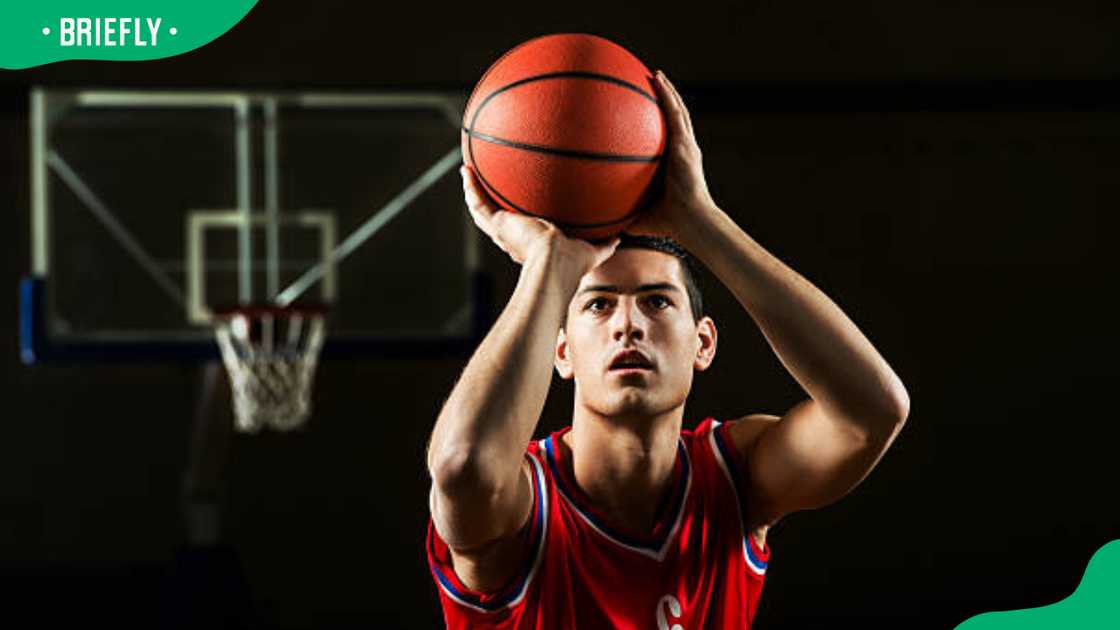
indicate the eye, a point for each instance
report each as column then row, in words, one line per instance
column 660, row 302
column 597, row 305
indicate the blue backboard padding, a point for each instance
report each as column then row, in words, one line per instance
column 37, row 346
column 30, row 290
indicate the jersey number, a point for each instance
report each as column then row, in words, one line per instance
column 674, row 606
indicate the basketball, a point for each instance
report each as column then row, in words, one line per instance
column 567, row 128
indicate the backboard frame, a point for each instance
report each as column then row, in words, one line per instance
column 40, row 341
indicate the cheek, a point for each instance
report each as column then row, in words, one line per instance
column 683, row 349
column 586, row 342
column 581, row 351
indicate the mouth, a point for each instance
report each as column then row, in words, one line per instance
column 630, row 361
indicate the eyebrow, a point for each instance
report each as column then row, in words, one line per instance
column 611, row 288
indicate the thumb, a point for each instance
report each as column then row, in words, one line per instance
column 606, row 250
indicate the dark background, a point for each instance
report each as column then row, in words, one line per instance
column 944, row 171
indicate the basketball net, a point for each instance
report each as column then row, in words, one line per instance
column 270, row 353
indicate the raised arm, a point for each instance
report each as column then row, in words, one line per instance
column 476, row 452
column 824, row 446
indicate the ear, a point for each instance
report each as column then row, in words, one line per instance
column 560, row 357
column 706, row 337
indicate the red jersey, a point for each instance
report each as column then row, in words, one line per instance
column 698, row 568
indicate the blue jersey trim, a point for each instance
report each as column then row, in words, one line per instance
column 756, row 562
column 515, row 592
column 728, row 463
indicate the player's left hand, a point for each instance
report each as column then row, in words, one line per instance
column 684, row 190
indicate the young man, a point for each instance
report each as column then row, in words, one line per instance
column 624, row 520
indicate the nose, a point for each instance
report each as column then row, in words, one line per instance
column 627, row 321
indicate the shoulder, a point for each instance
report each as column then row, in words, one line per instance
column 732, row 444
column 743, row 433
column 717, row 458
column 733, row 438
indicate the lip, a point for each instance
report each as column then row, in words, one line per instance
column 629, row 371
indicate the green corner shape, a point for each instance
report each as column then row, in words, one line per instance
column 1094, row 604
column 33, row 33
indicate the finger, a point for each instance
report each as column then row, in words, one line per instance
column 675, row 96
column 474, row 194
column 678, row 127
column 504, row 228
column 678, row 101
column 606, row 250
column 480, row 220
column 481, row 224
column 664, row 95
column 481, row 211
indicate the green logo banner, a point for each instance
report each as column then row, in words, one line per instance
column 35, row 32
column 1094, row 604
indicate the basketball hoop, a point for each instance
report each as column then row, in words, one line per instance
column 270, row 353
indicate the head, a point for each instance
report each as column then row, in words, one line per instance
column 644, row 300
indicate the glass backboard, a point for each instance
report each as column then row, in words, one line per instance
column 152, row 209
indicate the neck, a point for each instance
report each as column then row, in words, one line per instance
column 625, row 464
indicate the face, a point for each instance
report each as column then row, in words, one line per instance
column 630, row 341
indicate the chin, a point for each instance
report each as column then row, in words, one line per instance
column 630, row 399
column 633, row 402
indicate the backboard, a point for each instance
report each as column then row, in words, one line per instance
column 150, row 209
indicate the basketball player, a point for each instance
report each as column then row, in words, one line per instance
column 623, row 519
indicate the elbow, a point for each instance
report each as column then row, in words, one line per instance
column 881, row 422
column 460, row 471
column 893, row 406
column 894, row 414
column 901, row 404
column 449, row 466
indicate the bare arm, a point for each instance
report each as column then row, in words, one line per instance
column 825, row 445
column 480, row 497
column 477, row 446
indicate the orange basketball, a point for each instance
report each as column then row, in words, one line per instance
column 567, row 128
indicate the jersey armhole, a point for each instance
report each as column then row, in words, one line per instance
column 734, row 468
column 513, row 592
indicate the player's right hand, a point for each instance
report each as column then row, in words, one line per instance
column 522, row 236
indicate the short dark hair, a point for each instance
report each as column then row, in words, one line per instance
column 667, row 245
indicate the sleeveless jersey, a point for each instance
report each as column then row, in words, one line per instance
column 698, row 569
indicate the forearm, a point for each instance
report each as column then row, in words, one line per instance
column 820, row 346
column 491, row 414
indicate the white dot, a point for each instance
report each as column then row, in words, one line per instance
column 174, row 31
column 46, row 30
